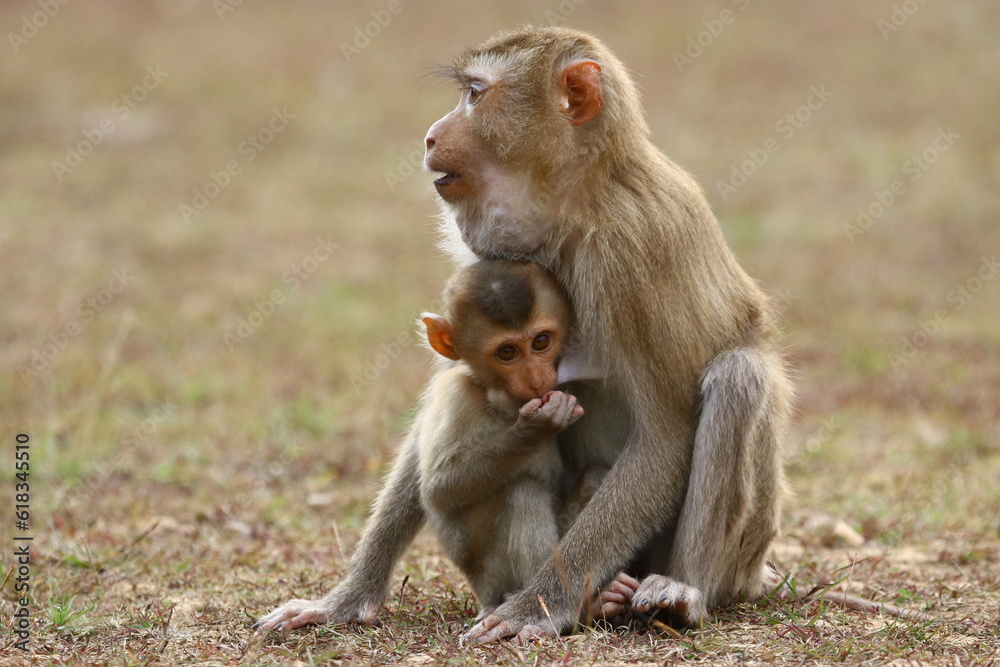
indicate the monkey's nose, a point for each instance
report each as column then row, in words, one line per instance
column 429, row 141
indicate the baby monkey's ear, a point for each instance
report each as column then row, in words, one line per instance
column 440, row 335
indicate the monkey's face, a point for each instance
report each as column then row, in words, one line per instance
column 512, row 152
column 497, row 198
column 524, row 362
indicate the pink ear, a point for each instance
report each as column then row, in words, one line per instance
column 581, row 85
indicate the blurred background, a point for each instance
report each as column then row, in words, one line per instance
column 215, row 237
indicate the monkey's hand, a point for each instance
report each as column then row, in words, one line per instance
column 683, row 605
column 338, row 607
column 551, row 413
column 522, row 619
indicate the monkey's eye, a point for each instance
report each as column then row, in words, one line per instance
column 541, row 342
column 475, row 90
column 506, row 353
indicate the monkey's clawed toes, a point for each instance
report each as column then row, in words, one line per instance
column 492, row 629
column 519, row 629
column 292, row 615
column 530, row 633
column 681, row 604
column 613, row 600
column 295, row 614
column 486, row 611
column 489, row 630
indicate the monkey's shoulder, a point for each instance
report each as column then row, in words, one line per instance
column 457, row 403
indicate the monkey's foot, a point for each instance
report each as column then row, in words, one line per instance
column 682, row 605
column 486, row 611
column 613, row 600
column 493, row 628
column 520, row 621
column 295, row 614
column 490, row 608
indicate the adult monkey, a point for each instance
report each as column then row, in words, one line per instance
column 547, row 157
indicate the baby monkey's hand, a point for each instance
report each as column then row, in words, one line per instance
column 553, row 412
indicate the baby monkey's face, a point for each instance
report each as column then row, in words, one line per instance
column 508, row 322
column 525, row 362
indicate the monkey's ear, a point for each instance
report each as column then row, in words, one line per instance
column 580, row 91
column 440, row 335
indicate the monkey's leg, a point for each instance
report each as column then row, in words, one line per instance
column 397, row 517
column 524, row 533
column 610, row 530
column 532, row 533
column 731, row 511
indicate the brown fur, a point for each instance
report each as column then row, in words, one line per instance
column 481, row 465
column 695, row 397
column 686, row 337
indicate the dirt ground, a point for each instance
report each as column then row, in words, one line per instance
column 215, row 236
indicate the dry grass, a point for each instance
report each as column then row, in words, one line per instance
column 182, row 486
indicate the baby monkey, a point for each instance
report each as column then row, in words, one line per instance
column 489, row 465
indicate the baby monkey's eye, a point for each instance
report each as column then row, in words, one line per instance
column 506, row 353
column 541, row 342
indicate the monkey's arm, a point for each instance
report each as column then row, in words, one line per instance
column 397, row 517
column 468, row 460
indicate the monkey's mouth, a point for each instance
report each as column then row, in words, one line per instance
column 448, row 178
